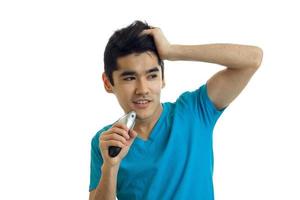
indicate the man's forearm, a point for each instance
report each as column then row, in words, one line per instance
column 229, row 55
column 106, row 189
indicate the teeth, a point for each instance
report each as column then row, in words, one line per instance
column 141, row 102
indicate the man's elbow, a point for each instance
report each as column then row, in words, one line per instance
column 257, row 57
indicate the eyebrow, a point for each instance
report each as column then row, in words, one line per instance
column 131, row 73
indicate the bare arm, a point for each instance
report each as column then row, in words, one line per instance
column 106, row 190
column 118, row 135
column 241, row 62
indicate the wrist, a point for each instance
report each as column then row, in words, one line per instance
column 174, row 52
column 110, row 169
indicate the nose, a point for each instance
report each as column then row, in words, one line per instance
column 142, row 87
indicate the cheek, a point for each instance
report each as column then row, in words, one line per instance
column 157, row 89
column 124, row 101
column 124, row 94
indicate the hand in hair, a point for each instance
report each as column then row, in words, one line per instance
column 162, row 44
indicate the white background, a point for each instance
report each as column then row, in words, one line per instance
column 52, row 100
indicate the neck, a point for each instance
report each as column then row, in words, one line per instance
column 144, row 126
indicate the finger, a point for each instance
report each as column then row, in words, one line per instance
column 115, row 137
column 107, row 144
column 146, row 32
column 121, row 132
column 133, row 133
column 121, row 126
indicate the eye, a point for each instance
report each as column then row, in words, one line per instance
column 152, row 76
column 129, row 78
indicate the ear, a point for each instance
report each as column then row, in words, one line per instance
column 106, row 83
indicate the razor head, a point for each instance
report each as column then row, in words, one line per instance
column 128, row 119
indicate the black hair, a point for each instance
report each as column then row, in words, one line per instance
column 126, row 41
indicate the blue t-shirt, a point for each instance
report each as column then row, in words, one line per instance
column 176, row 162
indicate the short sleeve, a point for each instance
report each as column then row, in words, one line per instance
column 201, row 106
column 96, row 163
column 207, row 106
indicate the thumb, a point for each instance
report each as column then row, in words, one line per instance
column 133, row 134
column 146, row 32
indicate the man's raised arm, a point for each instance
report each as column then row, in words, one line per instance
column 241, row 62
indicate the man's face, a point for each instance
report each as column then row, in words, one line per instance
column 138, row 83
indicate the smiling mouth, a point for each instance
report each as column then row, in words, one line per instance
column 141, row 102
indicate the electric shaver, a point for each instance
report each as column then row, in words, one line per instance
column 129, row 120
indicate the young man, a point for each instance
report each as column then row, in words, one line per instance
column 168, row 154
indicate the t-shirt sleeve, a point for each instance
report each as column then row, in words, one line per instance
column 210, row 112
column 96, row 162
column 199, row 103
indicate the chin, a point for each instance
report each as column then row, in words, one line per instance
column 145, row 114
column 142, row 115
